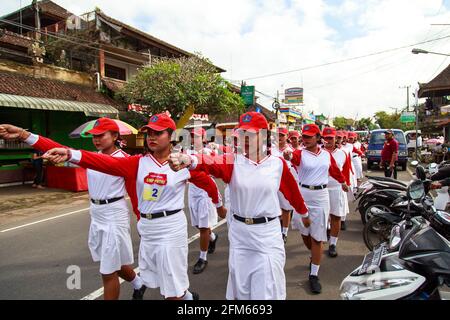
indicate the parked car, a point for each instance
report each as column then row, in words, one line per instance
column 411, row 140
column 376, row 143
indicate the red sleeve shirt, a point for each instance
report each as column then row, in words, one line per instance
column 390, row 147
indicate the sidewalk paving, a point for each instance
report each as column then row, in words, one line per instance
column 18, row 202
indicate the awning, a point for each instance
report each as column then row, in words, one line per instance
column 89, row 109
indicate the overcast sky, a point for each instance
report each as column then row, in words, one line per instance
column 251, row 38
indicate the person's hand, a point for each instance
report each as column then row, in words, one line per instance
column 306, row 222
column 287, row 154
column 10, row 132
column 436, row 185
column 391, row 166
column 57, row 155
column 222, row 212
column 178, row 161
column 345, row 187
column 381, row 166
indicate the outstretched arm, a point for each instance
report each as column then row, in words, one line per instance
column 122, row 167
column 290, row 190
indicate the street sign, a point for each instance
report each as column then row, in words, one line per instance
column 248, row 94
column 293, row 92
column 293, row 100
column 408, row 117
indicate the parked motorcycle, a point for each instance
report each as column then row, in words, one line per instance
column 419, row 270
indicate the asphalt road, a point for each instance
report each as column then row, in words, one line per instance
column 35, row 256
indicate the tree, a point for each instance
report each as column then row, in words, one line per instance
column 342, row 123
column 392, row 121
column 365, row 124
column 181, row 86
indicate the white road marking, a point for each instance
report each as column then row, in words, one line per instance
column 44, row 220
column 48, row 219
column 99, row 292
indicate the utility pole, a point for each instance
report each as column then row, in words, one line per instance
column 416, row 95
column 407, row 96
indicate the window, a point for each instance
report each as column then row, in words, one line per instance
column 115, row 72
column 378, row 137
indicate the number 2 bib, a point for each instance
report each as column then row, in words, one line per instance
column 154, row 184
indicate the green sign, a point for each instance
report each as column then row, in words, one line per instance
column 408, row 117
column 248, row 94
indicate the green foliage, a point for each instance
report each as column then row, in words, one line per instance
column 392, row 121
column 342, row 123
column 176, row 84
column 365, row 124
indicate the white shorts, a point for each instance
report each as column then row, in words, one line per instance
column 109, row 236
column 163, row 254
column 337, row 202
column 318, row 203
column 203, row 212
column 256, row 261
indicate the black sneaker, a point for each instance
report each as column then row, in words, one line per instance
column 212, row 245
column 314, row 284
column 284, row 238
column 332, row 251
column 138, row 294
column 200, row 266
column 343, row 226
column 195, row 296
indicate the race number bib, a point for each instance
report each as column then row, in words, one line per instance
column 154, row 184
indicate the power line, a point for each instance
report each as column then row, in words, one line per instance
column 347, row 59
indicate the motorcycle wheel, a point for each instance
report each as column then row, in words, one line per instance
column 376, row 231
column 366, row 215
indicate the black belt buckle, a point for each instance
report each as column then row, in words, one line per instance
column 97, row 202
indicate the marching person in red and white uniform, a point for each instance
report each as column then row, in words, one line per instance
column 278, row 150
column 314, row 166
column 351, row 151
column 357, row 155
column 294, row 139
column 109, row 233
column 203, row 211
column 338, row 198
column 257, row 254
column 163, row 249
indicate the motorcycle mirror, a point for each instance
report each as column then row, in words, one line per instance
column 433, row 165
column 420, row 173
column 414, row 163
column 416, row 190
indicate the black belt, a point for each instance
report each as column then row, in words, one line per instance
column 159, row 214
column 106, row 201
column 253, row 220
column 313, row 187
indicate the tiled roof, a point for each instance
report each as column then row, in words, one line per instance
column 47, row 6
column 439, row 86
column 22, row 85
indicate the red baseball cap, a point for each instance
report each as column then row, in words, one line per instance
column 310, row 130
column 253, row 121
column 339, row 133
column 160, row 122
column 103, row 125
column 344, row 134
column 294, row 134
column 329, row 132
column 353, row 135
column 199, row 131
column 282, row 131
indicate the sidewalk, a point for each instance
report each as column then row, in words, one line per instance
column 18, row 202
